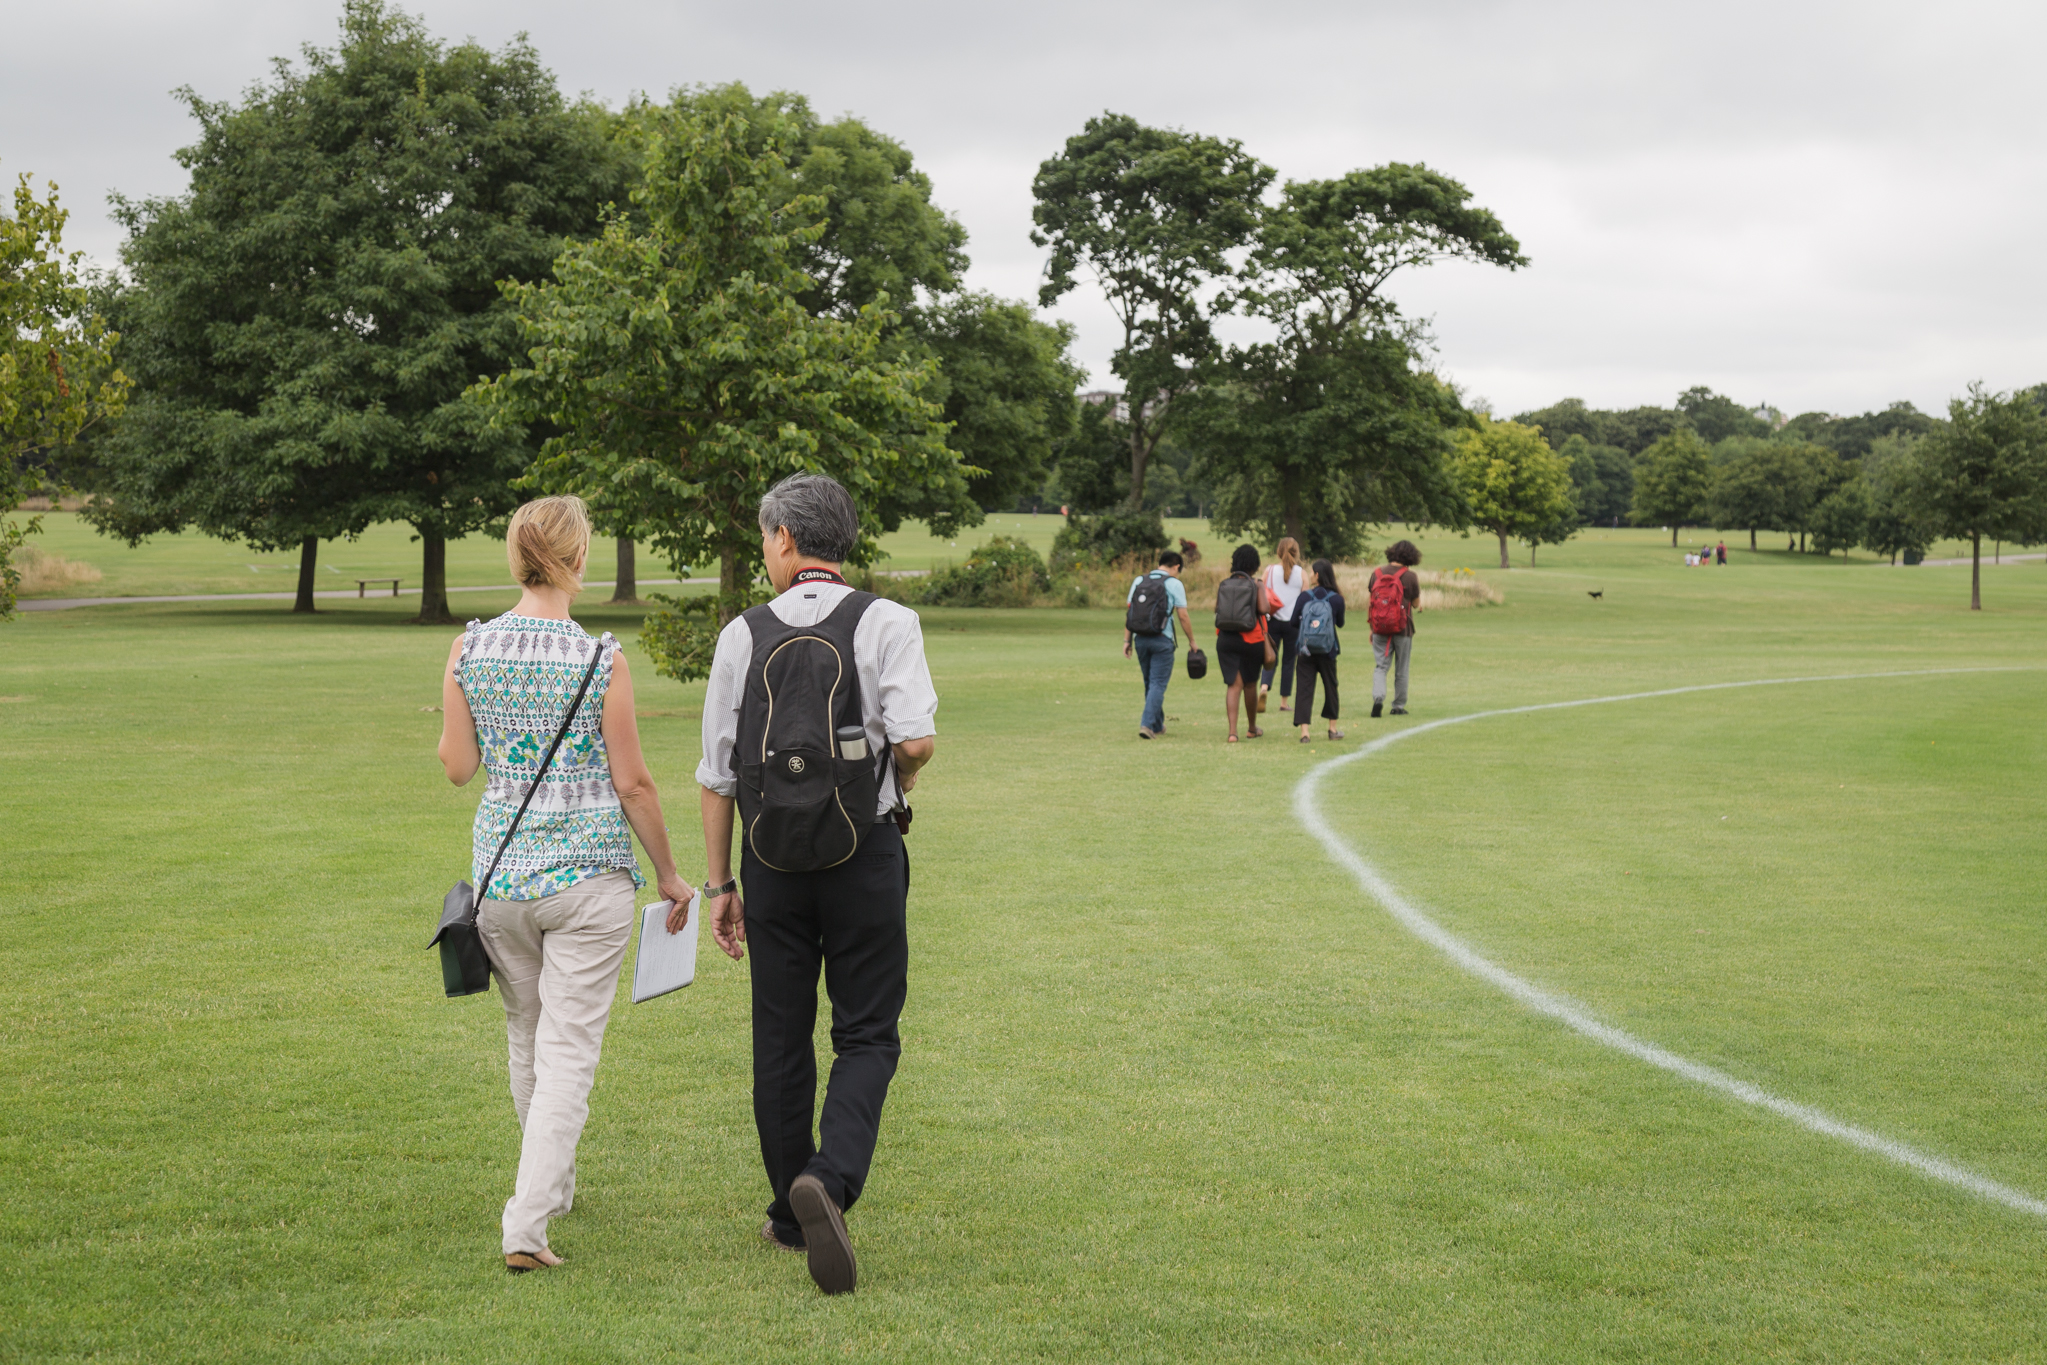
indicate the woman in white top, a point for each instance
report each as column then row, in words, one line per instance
column 556, row 915
column 1285, row 580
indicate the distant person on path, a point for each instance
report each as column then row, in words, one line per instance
column 1318, row 616
column 1720, row 553
column 818, row 716
column 1396, row 589
column 1148, row 633
column 1285, row 581
column 1242, row 602
column 556, row 915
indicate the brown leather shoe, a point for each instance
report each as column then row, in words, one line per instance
column 824, row 1236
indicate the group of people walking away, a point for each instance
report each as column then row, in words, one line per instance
column 1281, row 623
column 818, row 716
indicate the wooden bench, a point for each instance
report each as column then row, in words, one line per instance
column 362, row 585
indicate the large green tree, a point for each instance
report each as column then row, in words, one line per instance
column 1514, row 485
column 1004, row 378
column 1895, row 525
column 1153, row 214
column 1602, row 478
column 58, row 379
column 304, row 321
column 679, row 373
column 1334, row 425
column 1984, row 473
column 1672, row 478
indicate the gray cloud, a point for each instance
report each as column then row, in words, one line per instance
column 1818, row 205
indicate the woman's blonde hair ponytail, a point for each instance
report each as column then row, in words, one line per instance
column 548, row 542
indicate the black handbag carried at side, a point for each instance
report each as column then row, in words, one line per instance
column 465, row 966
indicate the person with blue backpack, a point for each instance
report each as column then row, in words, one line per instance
column 1318, row 612
column 1154, row 599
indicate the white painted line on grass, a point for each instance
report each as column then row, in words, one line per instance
column 1580, row 1019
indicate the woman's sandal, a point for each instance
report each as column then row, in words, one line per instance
column 1231, row 740
column 1254, row 733
column 1336, row 734
column 519, row 1262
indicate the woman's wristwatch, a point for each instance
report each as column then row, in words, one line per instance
column 713, row 892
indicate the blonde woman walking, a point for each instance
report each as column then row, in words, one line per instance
column 1285, row 580
column 557, row 914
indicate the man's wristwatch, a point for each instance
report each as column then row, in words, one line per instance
column 713, row 892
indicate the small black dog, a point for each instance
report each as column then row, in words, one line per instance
column 1595, row 596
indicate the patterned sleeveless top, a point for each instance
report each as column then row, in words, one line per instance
column 519, row 674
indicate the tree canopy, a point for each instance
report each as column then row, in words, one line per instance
column 1513, row 484
column 1153, row 214
column 57, row 373
column 1984, row 473
column 1672, row 478
column 680, row 374
column 305, row 320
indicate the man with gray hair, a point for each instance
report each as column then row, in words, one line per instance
column 818, row 716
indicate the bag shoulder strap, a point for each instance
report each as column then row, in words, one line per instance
column 596, row 654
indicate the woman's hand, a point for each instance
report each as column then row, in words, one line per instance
column 728, row 924
column 677, row 893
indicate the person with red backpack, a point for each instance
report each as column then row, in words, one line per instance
column 1395, row 591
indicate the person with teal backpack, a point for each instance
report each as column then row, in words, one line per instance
column 1317, row 614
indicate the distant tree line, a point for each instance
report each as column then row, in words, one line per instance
column 1892, row 481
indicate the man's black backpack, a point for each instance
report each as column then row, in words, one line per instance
column 802, row 807
column 1151, row 606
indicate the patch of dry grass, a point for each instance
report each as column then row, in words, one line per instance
column 44, row 572
column 1442, row 590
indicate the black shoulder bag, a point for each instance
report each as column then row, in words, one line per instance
column 465, row 966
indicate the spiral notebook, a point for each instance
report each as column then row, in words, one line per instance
column 665, row 962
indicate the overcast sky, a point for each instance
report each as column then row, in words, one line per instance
column 1824, row 206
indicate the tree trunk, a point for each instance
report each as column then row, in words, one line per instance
column 1140, row 457
column 1801, row 542
column 1293, row 517
column 628, row 589
column 1531, row 554
column 1673, row 535
column 728, row 585
column 1503, row 549
column 309, row 561
column 433, row 582
column 1976, row 571
column 1752, row 539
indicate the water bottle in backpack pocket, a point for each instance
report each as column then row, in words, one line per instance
column 803, row 804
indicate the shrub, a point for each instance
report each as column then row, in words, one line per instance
column 1107, row 538
column 1005, row 572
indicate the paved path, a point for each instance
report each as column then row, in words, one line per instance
column 66, row 603
column 1988, row 563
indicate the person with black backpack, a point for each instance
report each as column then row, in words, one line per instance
column 1155, row 598
column 818, row 716
column 1242, row 603
column 1318, row 612
column 1396, row 589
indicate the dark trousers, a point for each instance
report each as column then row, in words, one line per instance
column 1284, row 635
column 849, row 919
column 1315, row 666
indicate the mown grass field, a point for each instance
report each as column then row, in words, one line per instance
column 192, row 563
column 1174, row 1089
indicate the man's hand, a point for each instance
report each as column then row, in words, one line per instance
column 1126, row 646
column 728, row 924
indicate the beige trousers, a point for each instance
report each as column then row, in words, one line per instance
column 556, row 960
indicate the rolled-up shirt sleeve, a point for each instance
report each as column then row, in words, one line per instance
column 909, row 703
column 723, row 693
